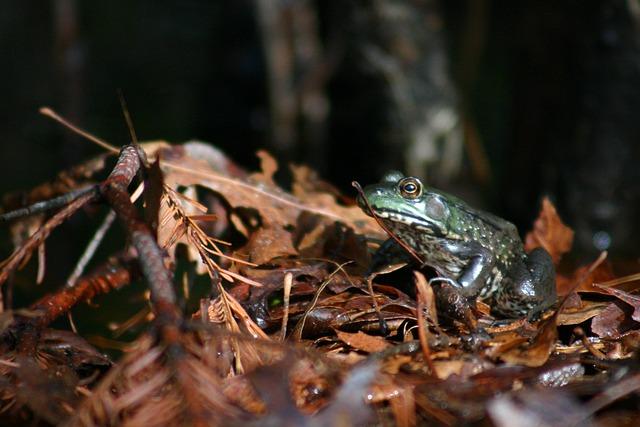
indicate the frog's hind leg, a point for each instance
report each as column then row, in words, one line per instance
column 543, row 275
column 529, row 288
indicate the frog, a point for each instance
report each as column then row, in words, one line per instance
column 478, row 253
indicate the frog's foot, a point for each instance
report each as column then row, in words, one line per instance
column 452, row 304
column 475, row 339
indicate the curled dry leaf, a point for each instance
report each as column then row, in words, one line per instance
column 577, row 315
column 279, row 211
column 613, row 321
column 276, row 206
column 268, row 166
column 534, row 353
column 550, row 233
column 266, row 244
column 363, row 342
column 632, row 300
column 585, row 277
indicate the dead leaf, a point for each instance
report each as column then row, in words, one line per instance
column 613, row 321
column 316, row 238
column 445, row 368
column 577, row 315
column 535, row 353
column 363, row 342
column 307, row 181
column 587, row 276
column 268, row 166
column 632, row 300
column 276, row 206
column 269, row 243
column 550, row 233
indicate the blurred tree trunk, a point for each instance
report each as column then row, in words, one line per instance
column 576, row 124
column 297, row 70
column 69, row 66
column 397, row 63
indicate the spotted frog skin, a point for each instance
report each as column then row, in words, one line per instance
column 479, row 253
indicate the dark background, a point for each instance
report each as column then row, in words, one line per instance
column 546, row 95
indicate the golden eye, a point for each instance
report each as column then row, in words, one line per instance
column 410, row 188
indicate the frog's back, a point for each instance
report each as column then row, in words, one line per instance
column 494, row 233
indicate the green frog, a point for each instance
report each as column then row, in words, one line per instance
column 478, row 253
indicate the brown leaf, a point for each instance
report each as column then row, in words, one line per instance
column 306, row 181
column 268, row 243
column 269, row 167
column 550, row 233
column 535, row 353
column 311, row 189
column 69, row 349
column 276, row 206
column 587, row 276
column 316, row 238
column 577, row 315
column 613, row 321
column 445, row 368
column 363, row 342
column 632, row 300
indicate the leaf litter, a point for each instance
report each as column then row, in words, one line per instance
column 289, row 332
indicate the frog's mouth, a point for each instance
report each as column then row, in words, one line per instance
column 417, row 223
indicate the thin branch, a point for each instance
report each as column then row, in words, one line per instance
column 47, row 205
column 23, row 253
column 91, row 248
column 116, row 272
column 114, row 190
column 46, row 111
column 127, row 117
column 296, row 334
column 288, row 281
column 97, row 239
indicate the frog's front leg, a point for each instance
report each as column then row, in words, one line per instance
column 529, row 287
column 479, row 262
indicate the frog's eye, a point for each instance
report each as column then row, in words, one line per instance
column 410, row 188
